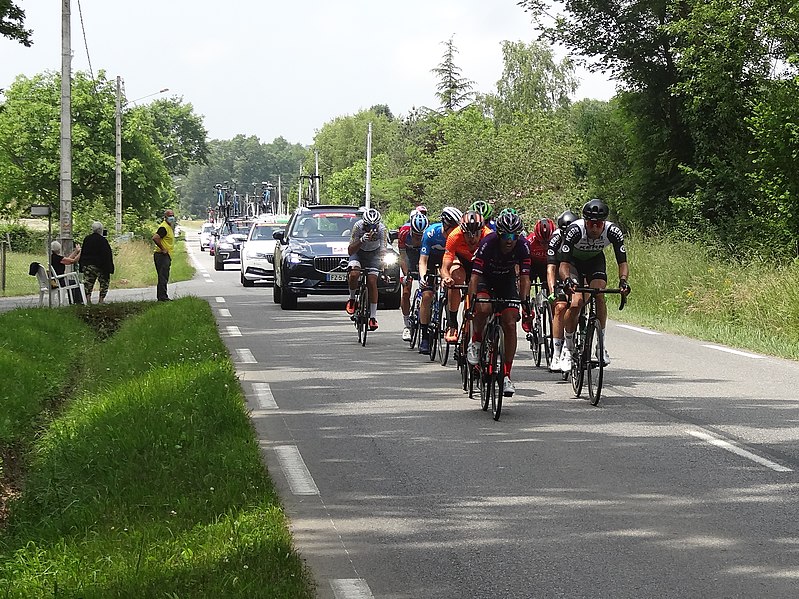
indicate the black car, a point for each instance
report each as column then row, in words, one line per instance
column 227, row 242
column 311, row 257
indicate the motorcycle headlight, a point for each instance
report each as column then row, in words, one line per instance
column 390, row 259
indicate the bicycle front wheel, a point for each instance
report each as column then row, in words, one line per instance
column 535, row 341
column 578, row 365
column 363, row 315
column 484, row 371
column 594, row 352
column 413, row 322
column 545, row 318
column 443, row 346
column 497, row 378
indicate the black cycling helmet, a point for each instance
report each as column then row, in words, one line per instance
column 509, row 223
column 595, row 210
column 450, row 217
column 472, row 222
column 566, row 218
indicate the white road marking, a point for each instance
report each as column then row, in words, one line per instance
column 263, row 393
column 246, row 357
column 220, row 300
column 296, row 472
column 224, row 312
column 351, row 588
column 233, row 331
column 637, row 330
column 699, row 434
column 734, row 351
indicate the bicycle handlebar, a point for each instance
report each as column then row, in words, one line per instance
column 594, row 291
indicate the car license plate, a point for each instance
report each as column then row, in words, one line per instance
column 337, row 276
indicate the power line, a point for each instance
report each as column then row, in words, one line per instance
column 86, row 45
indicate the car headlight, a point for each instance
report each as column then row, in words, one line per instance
column 224, row 245
column 390, row 259
column 293, row 258
column 254, row 255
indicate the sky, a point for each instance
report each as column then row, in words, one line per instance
column 279, row 68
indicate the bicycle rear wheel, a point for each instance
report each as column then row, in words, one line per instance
column 535, row 341
column 545, row 317
column 414, row 321
column 594, row 351
column 443, row 322
column 497, row 378
column 484, row 371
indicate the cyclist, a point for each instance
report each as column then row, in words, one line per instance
column 410, row 243
column 456, row 267
column 368, row 243
column 557, row 296
column 485, row 210
column 494, row 274
column 538, row 240
column 583, row 261
column 434, row 243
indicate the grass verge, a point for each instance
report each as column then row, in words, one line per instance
column 150, row 482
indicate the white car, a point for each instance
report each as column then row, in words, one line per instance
column 205, row 236
column 258, row 252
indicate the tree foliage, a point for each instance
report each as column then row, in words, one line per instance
column 179, row 133
column 453, row 90
column 12, row 23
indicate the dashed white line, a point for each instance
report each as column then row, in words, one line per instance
column 351, row 588
column 220, row 300
column 726, row 445
column 296, row 472
column 263, row 393
column 637, row 330
column 224, row 312
column 734, row 351
column 246, row 357
column 233, row 331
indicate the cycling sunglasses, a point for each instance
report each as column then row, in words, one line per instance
column 508, row 236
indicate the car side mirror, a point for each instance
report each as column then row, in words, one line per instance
column 279, row 235
column 393, row 235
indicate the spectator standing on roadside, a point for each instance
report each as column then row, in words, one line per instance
column 96, row 262
column 164, row 238
column 60, row 263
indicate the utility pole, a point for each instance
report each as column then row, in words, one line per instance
column 369, row 167
column 279, row 196
column 65, row 187
column 118, row 169
column 317, row 178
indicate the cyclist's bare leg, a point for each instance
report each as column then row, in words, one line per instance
column 458, row 278
column 508, row 320
column 426, row 307
column 371, row 285
column 352, row 279
column 601, row 306
column 481, row 312
column 405, row 300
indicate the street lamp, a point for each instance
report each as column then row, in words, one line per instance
column 118, row 170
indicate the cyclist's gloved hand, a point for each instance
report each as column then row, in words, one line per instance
column 624, row 286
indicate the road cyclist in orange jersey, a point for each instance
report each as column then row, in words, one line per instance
column 456, row 267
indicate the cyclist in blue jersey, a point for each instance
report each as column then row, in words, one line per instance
column 496, row 262
column 431, row 254
column 583, row 260
column 410, row 244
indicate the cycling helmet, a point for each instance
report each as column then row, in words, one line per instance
column 482, row 208
column 566, row 218
column 371, row 217
column 509, row 223
column 450, row 217
column 472, row 222
column 419, row 223
column 421, row 208
column 508, row 210
column 543, row 229
column 595, row 210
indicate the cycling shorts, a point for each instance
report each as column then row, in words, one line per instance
column 505, row 287
column 593, row 268
column 371, row 262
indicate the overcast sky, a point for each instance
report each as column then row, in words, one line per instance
column 279, row 68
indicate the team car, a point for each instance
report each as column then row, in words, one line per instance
column 227, row 242
column 311, row 257
column 206, row 235
column 258, row 251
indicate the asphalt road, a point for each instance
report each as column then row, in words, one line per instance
column 682, row 483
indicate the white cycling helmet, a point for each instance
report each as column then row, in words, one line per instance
column 371, row 217
column 451, row 217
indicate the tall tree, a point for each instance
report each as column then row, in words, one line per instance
column 179, row 133
column 12, row 23
column 454, row 91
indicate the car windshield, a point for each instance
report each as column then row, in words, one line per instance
column 264, row 232
column 237, row 229
column 320, row 225
column 208, row 228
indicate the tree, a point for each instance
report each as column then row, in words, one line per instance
column 453, row 90
column 179, row 133
column 531, row 80
column 12, row 21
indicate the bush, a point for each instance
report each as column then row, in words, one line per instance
column 24, row 239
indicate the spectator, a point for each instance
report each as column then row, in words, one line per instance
column 96, row 262
column 164, row 238
column 60, row 263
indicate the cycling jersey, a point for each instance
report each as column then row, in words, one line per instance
column 489, row 261
column 434, row 241
column 380, row 241
column 577, row 246
column 458, row 247
column 406, row 240
column 538, row 249
column 553, row 248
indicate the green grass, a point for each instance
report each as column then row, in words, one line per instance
column 150, row 482
column 679, row 287
column 133, row 263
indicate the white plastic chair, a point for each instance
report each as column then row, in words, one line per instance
column 47, row 285
column 71, row 281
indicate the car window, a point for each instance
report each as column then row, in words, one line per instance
column 264, row 232
column 321, row 225
column 208, row 228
